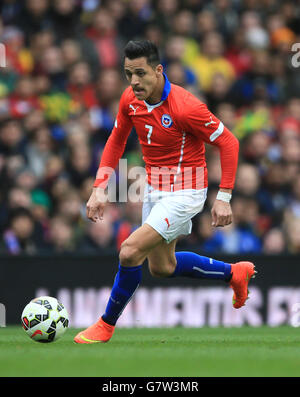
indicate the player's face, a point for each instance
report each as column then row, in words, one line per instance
column 144, row 80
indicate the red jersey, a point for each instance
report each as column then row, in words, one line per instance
column 172, row 134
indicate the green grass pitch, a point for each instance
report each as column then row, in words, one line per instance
column 203, row 352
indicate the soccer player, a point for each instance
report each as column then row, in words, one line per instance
column 172, row 126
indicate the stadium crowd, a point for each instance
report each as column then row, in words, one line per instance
column 59, row 95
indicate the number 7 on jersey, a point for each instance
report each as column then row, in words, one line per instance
column 150, row 129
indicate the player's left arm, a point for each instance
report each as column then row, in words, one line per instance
column 208, row 127
column 228, row 146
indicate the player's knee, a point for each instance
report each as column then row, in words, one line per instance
column 129, row 255
column 161, row 271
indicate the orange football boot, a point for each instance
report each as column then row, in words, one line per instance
column 241, row 275
column 96, row 333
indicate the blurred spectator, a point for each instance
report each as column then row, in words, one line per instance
column 41, row 206
column 79, row 165
column 53, row 170
column 65, row 15
column 225, row 16
column 256, row 145
column 132, row 24
column 154, row 34
column 99, row 237
column 274, row 242
column 60, row 240
column 21, row 235
column 39, row 150
column 34, row 120
column 104, row 36
column 247, row 180
column 211, row 61
column 293, row 235
column 238, row 53
column 108, row 87
column 218, row 93
column 175, row 53
column 205, row 23
column 176, row 73
column 12, row 140
column 10, row 10
column 69, row 207
column 25, row 179
column 183, row 23
column 258, row 82
column 226, row 112
column 34, row 17
column 52, row 64
column 80, row 86
column 71, row 52
column 23, row 100
column 166, row 10
column 273, row 194
column 38, row 44
column 86, row 188
column 59, row 188
column 183, row 26
column 18, row 197
column 117, row 8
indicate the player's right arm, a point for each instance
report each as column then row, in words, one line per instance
column 112, row 152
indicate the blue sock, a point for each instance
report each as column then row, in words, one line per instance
column 126, row 282
column 193, row 265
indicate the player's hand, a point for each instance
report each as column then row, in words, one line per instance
column 95, row 205
column 221, row 213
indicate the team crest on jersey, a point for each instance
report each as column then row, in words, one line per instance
column 166, row 120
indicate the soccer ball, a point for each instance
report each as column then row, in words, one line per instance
column 45, row 319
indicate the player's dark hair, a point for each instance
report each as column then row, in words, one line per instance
column 143, row 48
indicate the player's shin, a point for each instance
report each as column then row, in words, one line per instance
column 193, row 265
column 126, row 282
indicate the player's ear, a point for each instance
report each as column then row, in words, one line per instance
column 159, row 69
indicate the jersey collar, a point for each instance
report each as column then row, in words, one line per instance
column 164, row 96
column 167, row 88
